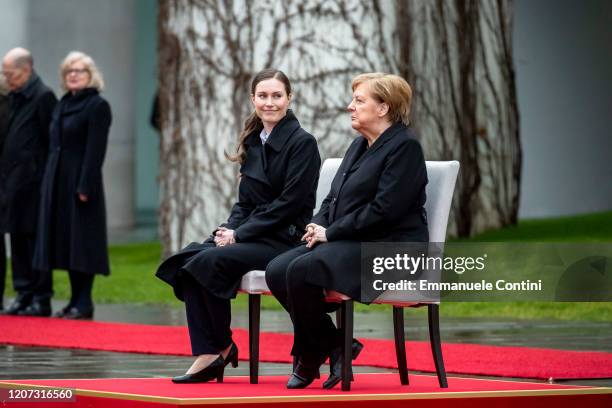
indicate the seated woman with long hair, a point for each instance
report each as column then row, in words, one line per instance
column 279, row 167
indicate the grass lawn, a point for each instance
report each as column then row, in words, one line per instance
column 133, row 267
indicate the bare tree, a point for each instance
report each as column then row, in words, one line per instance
column 209, row 50
column 458, row 56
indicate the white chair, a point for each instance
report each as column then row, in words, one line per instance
column 254, row 282
column 442, row 177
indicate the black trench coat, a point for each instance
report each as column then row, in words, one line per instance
column 23, row 155
column 377, row 195
column 276, row 197
column 72, row 233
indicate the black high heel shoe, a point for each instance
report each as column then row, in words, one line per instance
column 232, row 356
column 335, row 364
column 305, row 372
column 214, row 370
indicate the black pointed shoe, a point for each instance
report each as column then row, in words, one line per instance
column 37, row 308
column 19, row 304
column 232, row 356
column 62, row 312
column 306, row 371
column 335, row 364
column 214, row 370
column 75, row 313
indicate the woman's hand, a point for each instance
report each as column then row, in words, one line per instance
column 83, row 198
column 309, row 232
column 314, row 234
column 224, row 237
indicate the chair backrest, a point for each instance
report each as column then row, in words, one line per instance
column 326, row 176
column 442, row 176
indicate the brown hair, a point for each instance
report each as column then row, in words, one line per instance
column 253, row 122
column 390, row 89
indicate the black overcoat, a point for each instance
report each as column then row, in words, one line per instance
column 4, row 116
column 377, row 195
column 72, row 233
column 276, row 197
column 23, row 156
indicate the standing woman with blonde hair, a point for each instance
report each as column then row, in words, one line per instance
column 72, row 220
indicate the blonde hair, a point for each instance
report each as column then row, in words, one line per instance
column 390, row 89
column 95, row 77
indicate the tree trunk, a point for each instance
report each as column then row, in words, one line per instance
column 456, row 55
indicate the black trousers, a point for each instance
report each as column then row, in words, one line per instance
column 27, row 281
column 2, row 268
column 314, row 330
column 81, row 286
column 207, row 281
column 208, row 318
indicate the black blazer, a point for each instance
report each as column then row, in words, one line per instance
column 378, row 193
column 23, row 155
column 277, row 190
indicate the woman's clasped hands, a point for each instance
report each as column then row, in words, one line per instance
column 314, row 234
column 224, row 236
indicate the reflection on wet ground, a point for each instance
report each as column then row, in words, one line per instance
column 38, row 362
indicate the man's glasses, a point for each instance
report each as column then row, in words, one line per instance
column 8, row 74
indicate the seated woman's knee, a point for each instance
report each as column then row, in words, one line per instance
column 297, row 271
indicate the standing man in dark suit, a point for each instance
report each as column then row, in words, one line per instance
column 4, row 115
column 22, row 164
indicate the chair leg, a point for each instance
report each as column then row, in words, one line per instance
column 400, row 343
column 254, row 313
column 433, row 314
column 339, row 318
column 347, row 343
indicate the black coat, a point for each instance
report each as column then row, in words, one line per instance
column 72, row 234
column 276, row 196
column 23, row 156
column 4, row 117
column 377, row 195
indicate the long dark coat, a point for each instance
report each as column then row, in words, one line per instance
column 4, row 117
column 4, row 114
column 72, row 233
column 377, row 195
column 23, row 156
column 276, row 197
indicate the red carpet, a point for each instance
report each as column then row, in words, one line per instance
column 519, row 362
column 368, row 390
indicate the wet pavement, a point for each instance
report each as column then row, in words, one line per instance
column 39, row 362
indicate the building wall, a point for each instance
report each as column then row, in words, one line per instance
column 105, row 30
column 564, row 74
column 563, row 64
column 146, row 160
